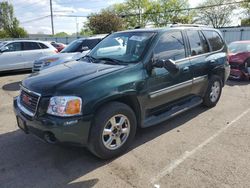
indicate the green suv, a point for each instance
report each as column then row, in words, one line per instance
column 131, row 79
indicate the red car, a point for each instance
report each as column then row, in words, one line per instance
column 58, row 46
column 239, row 60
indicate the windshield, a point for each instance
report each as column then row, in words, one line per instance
column 239, row 47
column 74, row 46
column 2, row 44
column 124, row 47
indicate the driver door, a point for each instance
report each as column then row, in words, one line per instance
column 12, row 58
column 163, row 86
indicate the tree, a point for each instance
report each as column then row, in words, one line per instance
column 61, row 34
column 217, row 16
column 156, row 12
column 245, row 22
column 104, row 22
column 9, row 23
column 246, row 6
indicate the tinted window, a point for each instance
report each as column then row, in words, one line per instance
column 214, row 39
column 42, row 46
column 75, row 46
column 170, row 46
column 197, row 42
column 30, row 46
column 15, row 46
column 90, row 43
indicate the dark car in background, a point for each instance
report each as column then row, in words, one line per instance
column 131, row 79
column 239, row 60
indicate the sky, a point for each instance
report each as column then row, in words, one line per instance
column 28, row 10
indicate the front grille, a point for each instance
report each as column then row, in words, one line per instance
column 29, row 100
column 37, row 66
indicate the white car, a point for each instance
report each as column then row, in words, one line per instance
column 74, row 51
column 20, row 54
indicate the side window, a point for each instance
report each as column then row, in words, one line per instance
column 170, row 46
column 30, row 46
column 197, row 43
column 42, row 46
column 214, row 39
column 15, row 46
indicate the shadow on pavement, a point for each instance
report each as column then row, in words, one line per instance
column 28, row 162
column 14, row 73
column 14, row 86
column 237, row 82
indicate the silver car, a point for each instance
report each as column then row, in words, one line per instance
column 74, row 51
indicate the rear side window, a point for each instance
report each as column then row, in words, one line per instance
column 90, row 43
column 30, row 46
column 214, row 40
column 198, row 43
column 170, row 46
column 42, row 46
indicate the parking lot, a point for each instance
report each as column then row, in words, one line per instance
column 201, row 148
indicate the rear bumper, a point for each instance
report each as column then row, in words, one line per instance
column 73, row 130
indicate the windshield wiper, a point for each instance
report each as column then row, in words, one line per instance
column 110, row 61
column 89, row 58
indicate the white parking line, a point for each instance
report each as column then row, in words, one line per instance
column 168, row 169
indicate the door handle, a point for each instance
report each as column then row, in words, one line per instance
column 185, row 69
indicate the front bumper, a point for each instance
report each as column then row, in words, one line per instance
column 73, row 130
column 239, row 74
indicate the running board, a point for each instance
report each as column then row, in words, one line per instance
column 154, row 120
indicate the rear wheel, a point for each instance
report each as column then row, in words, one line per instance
column 113, row 130
column 213, row 92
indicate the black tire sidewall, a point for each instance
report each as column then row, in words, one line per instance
column 207, row 100
column 96, row 145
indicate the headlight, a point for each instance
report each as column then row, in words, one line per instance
column 65, row 106
column 47, row 62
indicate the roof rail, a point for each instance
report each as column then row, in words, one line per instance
column 188, row 25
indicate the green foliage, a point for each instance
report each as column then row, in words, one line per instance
column 9, row 26
column 217, row 16
column 86, row 32
column 156, row 12
column 61, row 34
column 245, row 22
column 246, row 6
column 105, row 22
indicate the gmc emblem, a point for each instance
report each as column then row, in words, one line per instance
column 26, row 99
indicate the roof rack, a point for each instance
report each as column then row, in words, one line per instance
column 188, row 25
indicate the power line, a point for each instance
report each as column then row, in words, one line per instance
column 35, row 19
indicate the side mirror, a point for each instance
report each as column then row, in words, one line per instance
column 85, row 48
column 169, row 65
column 4, row 49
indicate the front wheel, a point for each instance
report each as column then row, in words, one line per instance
column 112, row 131
column 213, row 92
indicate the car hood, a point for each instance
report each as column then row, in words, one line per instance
column 64, row 56
column 238, row 57
column 66, row 77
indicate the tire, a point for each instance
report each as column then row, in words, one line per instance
column 117, row 138
column 213, row 92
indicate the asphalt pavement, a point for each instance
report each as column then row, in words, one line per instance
column 200, row 148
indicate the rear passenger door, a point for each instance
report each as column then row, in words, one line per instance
column 198, row 53
column 31, row 52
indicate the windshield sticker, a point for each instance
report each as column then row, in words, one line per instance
column 137, row 38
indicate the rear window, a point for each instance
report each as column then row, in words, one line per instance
column 30, row 46
column 197, row 42
column 214, row 40
column 42, row 46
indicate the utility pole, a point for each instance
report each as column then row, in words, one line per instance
column 51, row 15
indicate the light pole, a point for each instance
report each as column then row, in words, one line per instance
column 51, row 16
